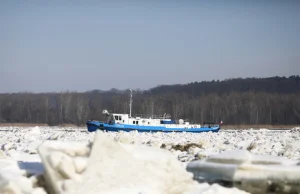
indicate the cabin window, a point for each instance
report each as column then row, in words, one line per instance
column 133, row 122
column 137, row 122
column 118, row 118
column 123, row 121
column 148, row 123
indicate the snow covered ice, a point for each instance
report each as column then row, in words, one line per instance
column 21, row 165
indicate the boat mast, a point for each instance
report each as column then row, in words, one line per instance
column 130, row 103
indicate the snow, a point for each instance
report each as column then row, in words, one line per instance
column 20, row 143
column 19, row 147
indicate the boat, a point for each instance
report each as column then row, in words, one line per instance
column 147, row 123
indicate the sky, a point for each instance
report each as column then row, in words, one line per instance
column 50, row 46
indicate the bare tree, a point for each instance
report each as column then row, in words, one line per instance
column 46, row 101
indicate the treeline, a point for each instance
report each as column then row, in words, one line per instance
column 273, row 101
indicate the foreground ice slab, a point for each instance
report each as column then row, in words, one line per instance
column 14, row 180
column 110, row 167
column 63, row 163
column 249, row 172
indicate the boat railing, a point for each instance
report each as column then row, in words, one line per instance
column 152, row 116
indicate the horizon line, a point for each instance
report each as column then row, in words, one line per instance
column 159, row 85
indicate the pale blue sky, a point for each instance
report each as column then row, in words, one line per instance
column 83, row 45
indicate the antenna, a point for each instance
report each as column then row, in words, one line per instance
column 130, row 103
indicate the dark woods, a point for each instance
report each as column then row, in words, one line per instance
column 272, row 101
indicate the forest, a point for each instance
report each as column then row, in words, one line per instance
column 236, row 101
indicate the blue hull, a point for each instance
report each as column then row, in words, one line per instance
column 98, row 125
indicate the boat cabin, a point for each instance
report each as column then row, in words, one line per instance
column 137, row 120
column 142, row 120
